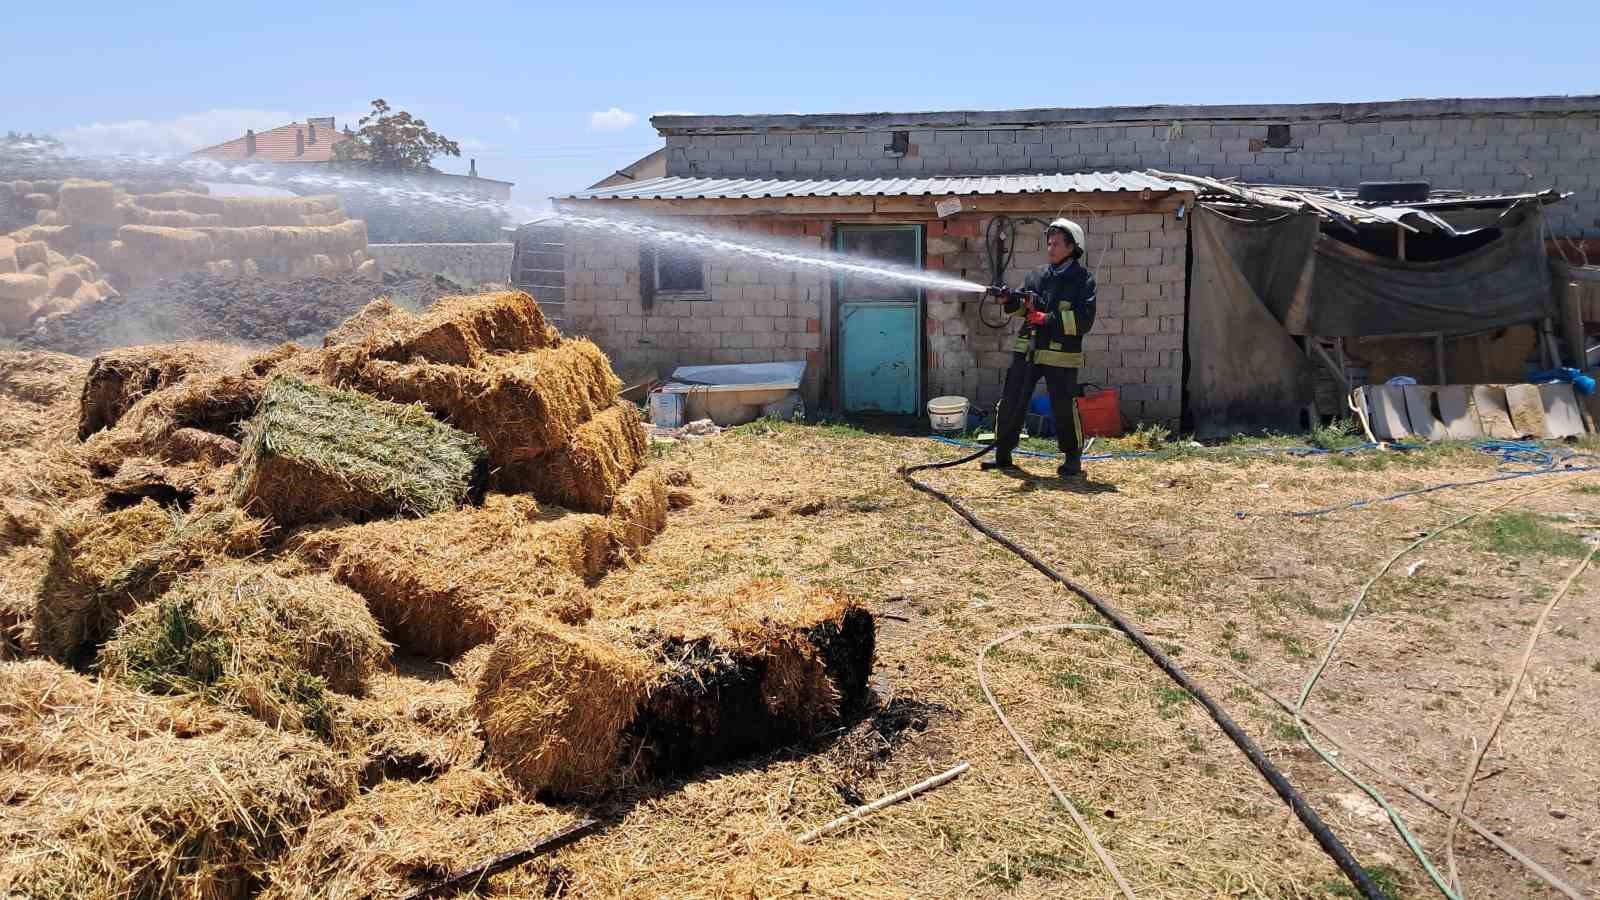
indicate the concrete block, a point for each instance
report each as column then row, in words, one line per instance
column 1131, row 240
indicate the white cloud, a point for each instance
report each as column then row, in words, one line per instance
column 170, row 137
column 472, row 143
column 613, row 119
column 676, row 112
column 513, row 123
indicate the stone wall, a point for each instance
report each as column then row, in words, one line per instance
column 754, row 312
column 1481, row 146
column 465, row 263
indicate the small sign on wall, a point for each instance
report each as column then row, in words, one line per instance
column 947, row 207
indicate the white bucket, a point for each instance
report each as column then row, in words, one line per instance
column 948, row 413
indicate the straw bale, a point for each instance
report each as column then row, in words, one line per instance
column 16, row 316
column 180, row 219
column 378, row 314
column 155, row 244
column 64, row 282
column 8, row 255
column 139, row 796
column 49, row 217
column 443, row 585
column 246, row 638
column 38, row 201
column 521, row 405
column 554, row 704
column 588, row 472
column 89, row 202
column 312, row 453
column 88, row 551
column 466, row 330
column 24, row 287
column 640, row 511
column 183, row 201
column 120, row 378
column 216, row 403
column 32, row 251
column 400, row 837
column 368, row 268
column 577, row 711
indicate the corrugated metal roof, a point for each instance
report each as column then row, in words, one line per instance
column 682, row 188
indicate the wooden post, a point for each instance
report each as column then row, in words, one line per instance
column 1547, row 333
column 1334, row 369
column 1438, row 356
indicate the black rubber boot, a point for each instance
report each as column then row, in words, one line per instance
column 1000, row 461
column 1072, row 468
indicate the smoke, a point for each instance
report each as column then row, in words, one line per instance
column 168, row 137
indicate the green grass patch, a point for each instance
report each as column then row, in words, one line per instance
column 1387, row 878
column 1525, row 534
column 1291, row 643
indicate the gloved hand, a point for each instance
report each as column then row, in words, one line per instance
column 1035, row 317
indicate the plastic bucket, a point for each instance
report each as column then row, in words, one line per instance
column 947, row 413
column 1100, row 414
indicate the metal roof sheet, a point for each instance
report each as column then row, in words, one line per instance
column 683, row 188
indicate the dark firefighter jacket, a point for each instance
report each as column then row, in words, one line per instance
column 1067, row 299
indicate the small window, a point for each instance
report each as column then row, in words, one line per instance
column 680, row 271
column 1277, row 135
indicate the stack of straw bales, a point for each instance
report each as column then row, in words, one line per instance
column 120, row 378
column 114, row 793
column 93, row 233
column 312, row 453
column 575, row 711
column 545, row 407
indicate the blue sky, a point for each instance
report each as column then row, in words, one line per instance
column 555, row 97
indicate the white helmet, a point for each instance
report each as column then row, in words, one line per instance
column 1073, row 230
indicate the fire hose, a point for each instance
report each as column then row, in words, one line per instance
column 1325, row 838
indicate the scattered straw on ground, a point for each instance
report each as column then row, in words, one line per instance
column 111, row 793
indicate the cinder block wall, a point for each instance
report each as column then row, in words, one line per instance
column 750, row 312
column 756, row 312
column 466, row 263
column 1481, row 146
column 1136, row 344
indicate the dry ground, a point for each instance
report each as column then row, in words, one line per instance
column 1184, row 815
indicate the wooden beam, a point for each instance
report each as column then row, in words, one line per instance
column 1438, row 356
column 477, row 873
column 762, row 206
column 1333, row 368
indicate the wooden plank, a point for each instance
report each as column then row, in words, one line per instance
column 1561, row 414
column 1386, row 410
column 1489, row 400
column 744, row 206
column 1334, row 368
column 1419, row 410
column 1527, row 410
column 1455, row 409
column 477, row 873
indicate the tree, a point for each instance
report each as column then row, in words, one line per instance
column 393, row 141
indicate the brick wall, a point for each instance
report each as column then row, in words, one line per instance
column 754, row 312
column 1136, row 344
column 465, row 263
column 750, row 312
column 1488, row 146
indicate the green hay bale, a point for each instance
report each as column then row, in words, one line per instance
column 254, row 641
column 313, row 453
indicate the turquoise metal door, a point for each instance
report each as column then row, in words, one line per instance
column 880, row 323
column 879, row 357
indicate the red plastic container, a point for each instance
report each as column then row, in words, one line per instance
column 1099, row 413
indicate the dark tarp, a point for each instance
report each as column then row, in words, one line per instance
column 1255, row 282
column 1245, row 372
column 1353, row 293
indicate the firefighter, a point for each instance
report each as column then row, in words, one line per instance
column 1057, row 308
